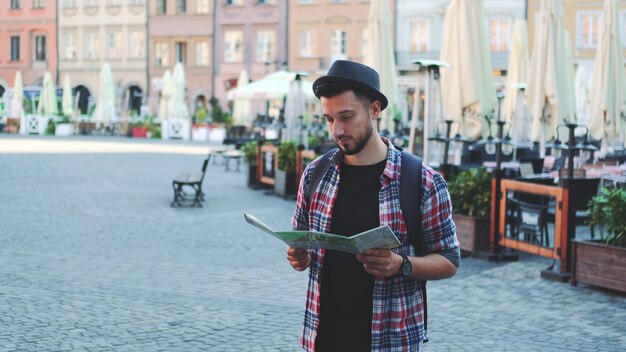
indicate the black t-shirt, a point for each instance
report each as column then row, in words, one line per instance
column 346, row 288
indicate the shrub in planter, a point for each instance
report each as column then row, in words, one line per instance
column 250, row 152
column 285, row 179
column 601, row 263
column 470, row 192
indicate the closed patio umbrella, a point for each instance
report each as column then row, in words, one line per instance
column 242, row 111
column 517, row 70
column 295, row 104
column 166, row 94
column 581, row 91
column 550, row 92
column 467, row 86
column 48, row 97
column 105, row 105
column 273, row 86
column 608, row 83
column 17, row 102
column 178, row 104
column 67, row 101
column 379, row 54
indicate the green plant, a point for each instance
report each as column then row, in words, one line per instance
column 51, row 127
column 200, row 114
column 250, row 152
column 287, row 156
column 607, row 211
column 470, row 192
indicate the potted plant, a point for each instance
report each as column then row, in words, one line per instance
column 602, row 262
column 470, row 192
column 285, row 178
column 250, row 152
column 64, row 127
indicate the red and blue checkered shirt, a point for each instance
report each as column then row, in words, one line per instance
column 398, row 308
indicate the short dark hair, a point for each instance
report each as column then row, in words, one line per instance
column 329, row 90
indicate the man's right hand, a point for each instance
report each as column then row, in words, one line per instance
column 299, row 259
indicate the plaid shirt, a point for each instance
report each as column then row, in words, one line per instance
column 398, row 313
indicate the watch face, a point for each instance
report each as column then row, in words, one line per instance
column 406, row 266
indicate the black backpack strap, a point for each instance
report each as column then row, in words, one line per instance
column 410, row 201
column 319, row 171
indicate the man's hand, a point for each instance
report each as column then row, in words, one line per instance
column 380, row 262
column 299, row 259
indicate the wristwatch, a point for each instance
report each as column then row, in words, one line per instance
column 406, row 268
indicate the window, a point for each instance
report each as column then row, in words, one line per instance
column 181, row 6
column 137, row 45
column 69, row 45
column 181, row 52
column 92, row 45
column 266, row 2
column 499, row 34
column 306, row 2
column 38, row 4
column 15, row 5
column 15, row 48
column 113, row 2
column 265, row 46
column 202, row 53
column 90, row 3
column 233, row 46
column 114, row 45
column 419, row 34
column 161, row 54
column 588, row 30
column 161, row 7
column 337, row 44
column 136, row 2
column 234, row 2
column 306, row 43
column 40, row 48
column 69, row 3
column 202, row 6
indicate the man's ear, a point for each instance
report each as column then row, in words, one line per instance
column 375, row 109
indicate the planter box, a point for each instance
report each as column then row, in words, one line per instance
column 139, row 132
column 64, row 129
column 253, row 179
column 217, row 134
column 600, row 265
column 200, row 132
column 285, row 183
column 473, row 233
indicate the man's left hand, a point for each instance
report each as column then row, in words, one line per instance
column 380, row 262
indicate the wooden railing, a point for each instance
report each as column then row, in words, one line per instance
column 561, row 196
column 267, row 151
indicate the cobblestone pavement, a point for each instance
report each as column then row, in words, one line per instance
column 92, row 258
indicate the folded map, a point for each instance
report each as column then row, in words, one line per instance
column 380, row 237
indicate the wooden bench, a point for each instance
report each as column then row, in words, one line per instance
column 193, row 181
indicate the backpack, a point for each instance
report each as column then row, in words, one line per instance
column 410, row 201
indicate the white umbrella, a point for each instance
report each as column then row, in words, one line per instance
column 549, row 81
column 608, row 83
column 242, row 111
column 295, row 105
column 17, row 110
column 517, row 71
column 178, row 105
column 379, row 54
column 166, row 93
column 105, row 105
column 273, row 86
column 581, row 91
column 467, row 87
column 67, row 101
column 48, row 97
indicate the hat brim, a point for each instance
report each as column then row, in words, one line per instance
column 352, row 83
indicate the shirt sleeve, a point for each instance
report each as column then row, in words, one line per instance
column 300, row 219
column 437, row 224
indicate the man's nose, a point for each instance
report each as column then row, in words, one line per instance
column 336, row 129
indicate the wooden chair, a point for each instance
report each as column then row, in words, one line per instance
column 193, row 181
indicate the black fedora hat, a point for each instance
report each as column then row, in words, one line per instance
column 354, row 75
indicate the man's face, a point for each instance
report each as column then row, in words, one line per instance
column 349, row 121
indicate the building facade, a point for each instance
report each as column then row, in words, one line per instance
column 182, row 31
column 28, row 41
column 322, row 31
column 94, row 32
column 250, row 35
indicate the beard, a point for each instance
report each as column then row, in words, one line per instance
column 359, row 142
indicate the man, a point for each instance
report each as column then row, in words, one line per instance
column 370, row 301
